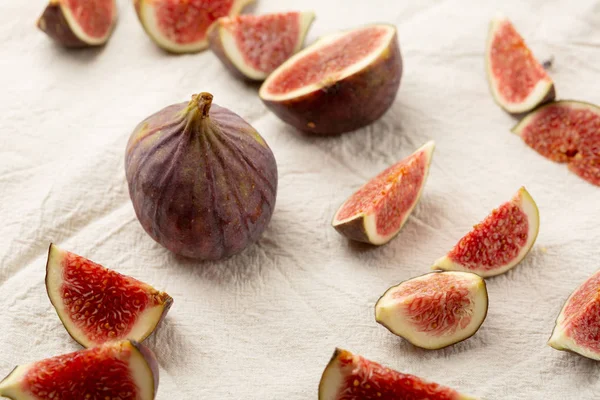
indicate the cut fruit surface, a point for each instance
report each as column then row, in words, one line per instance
column 97, row 305
column 352, row 377
column 181, row 26
column 252, row 46
column 79, row 23
column 340, row 83
column 576, row 328
column 499, row 242
column 434, row 310
column 120, row 370
column 566, row 131
column 517, row 80
column 378, row 210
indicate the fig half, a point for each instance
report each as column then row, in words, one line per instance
column 434, row 310
column 181, row 26
column 97, row 305
column 499, row 242
column 341, row 83
column 79, row 23
column 352, row 377
column 122, row 370
column 378, row 210
column 252, row 46
column 576, row 328
column 566, row 131
column 517, row 80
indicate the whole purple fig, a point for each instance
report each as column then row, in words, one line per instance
column 202, row 181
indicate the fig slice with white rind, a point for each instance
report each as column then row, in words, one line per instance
column 123, row 370
column 517, row 80
column 378, row 210
column 182, row 26
column 434, row 310
column 499, row 242
column 97, row 305
column 352, row 377
column 253, row 46
column 576, row 329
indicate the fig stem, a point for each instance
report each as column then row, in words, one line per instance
column 203, row 101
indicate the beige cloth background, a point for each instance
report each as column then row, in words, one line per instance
column 263, row 325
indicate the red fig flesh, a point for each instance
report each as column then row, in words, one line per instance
column 435, row 310
column 119, row 370
column 342, row 82
column 352, row 377
column 499, row 242
column 181, row 26
column 97, row 305
column 252, row 46
column 378, row 210
column 576, row 328
column 566, row 131
column 79, row 23
column 517, row 80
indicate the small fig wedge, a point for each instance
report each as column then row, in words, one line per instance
column 97, row 305
column 566, row 131
column 434, row 310
column 517, row 80
column 378, row 210
column 499, row 242
column 181, row 26
column 252, row 46
column 122, row 370
column 341, row 83
column 352, row 377
column 79, row 23
column 576, row 328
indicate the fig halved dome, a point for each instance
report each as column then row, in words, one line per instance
column 434, row 310
column 97, row 305
column 253, row 46
column 377, row 211
column 499, row 242
column 517, row 80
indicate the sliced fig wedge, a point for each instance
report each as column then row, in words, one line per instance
column 252, row 46
column 79, row 23
column 352, row 377
column 122, row 370
column 576, row 328
column 499, row 242
column 378, row 210
column 434, row 310
column 181, row 26
column 566, row 131
column 341, row 83
column 97, row 305
column 517, row 80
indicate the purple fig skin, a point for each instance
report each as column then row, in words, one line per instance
column 150, row 360
column 348, row 104
column 354, row 230
column 216, row 45
column 54, row 24
column 203, row 182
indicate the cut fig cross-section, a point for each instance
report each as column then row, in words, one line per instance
column 378, row 210
column 434, row 310
column 499, row 242
column 79, row 23
column 567, row 132
column 252, row 46
column 517, row 80
column 97, row 305
column 577, row 324
column 341, row 83
column 352, row 377
column 122, row 370
column 181, row 26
